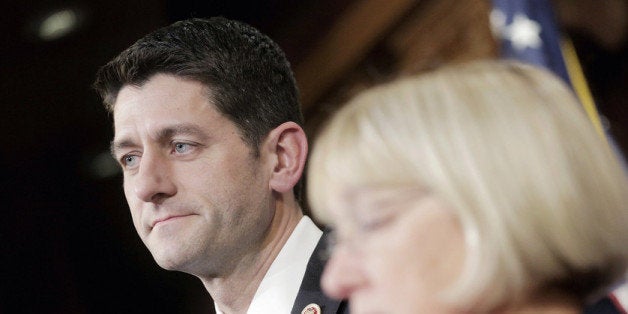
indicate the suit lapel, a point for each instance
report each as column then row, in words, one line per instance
column 310, row 290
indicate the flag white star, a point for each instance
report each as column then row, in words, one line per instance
column 523, row 33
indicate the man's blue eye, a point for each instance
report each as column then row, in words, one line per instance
column 181, row 147
column 129, row 161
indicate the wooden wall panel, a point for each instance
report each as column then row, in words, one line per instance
column 375, row 41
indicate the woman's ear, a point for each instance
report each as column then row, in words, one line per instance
column 288, row 145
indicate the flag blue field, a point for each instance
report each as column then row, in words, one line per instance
column 527, row 30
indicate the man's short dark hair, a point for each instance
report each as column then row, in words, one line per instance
column 247, row 75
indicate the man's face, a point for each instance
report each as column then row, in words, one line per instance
column 199, row 199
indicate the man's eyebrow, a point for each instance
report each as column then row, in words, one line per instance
column 163, row 135
column 115, row 146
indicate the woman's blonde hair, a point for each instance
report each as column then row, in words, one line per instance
column 540, row 195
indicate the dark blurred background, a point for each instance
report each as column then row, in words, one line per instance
column 68, row 244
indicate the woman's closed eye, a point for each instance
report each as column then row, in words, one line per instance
column 375, row 219
column 378, row 208
column 354, row 234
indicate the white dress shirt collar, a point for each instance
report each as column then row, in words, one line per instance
column 279, row 287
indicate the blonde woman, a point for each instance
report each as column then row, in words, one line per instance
column 476, row 188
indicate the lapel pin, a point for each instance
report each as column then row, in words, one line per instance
column 311, row 308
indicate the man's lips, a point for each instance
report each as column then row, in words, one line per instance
column 167, row 218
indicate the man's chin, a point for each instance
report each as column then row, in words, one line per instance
column 168, row 263
column 170, row 258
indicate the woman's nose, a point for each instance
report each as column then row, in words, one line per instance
column 343, row 274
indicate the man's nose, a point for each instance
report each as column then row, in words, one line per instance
column 343, row 274
column 153, row 182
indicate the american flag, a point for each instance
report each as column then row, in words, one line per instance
column 527, row 31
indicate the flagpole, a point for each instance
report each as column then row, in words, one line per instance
column 579, row 83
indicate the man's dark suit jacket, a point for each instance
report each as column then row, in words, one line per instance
column 310, row 290
column 604, row 306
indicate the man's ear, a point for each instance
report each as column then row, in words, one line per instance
column 287, row 145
